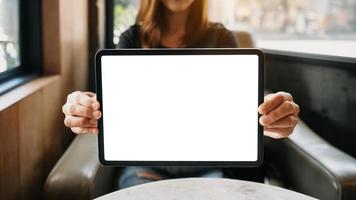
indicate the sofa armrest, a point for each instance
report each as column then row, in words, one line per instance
column 312, row 166
column 78, row 174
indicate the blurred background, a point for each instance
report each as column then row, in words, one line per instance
column 294, row 25
column 47, row 50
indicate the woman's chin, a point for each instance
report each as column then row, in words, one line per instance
column 177, row 6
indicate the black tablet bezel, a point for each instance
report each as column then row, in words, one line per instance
column 137, row 52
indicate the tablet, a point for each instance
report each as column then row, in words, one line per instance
column 180, row 107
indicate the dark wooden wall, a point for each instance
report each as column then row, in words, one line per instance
column 325, row 88
column 32, row 134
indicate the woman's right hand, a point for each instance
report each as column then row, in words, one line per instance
column 82, row 112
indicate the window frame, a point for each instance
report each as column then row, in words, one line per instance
column 30, row 47
column 109, row 24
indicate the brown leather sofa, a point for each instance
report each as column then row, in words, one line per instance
column 303, row 162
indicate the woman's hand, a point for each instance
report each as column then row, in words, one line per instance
column 279, row 115
column 82, row 112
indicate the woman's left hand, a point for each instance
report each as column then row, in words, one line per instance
column 279, row 115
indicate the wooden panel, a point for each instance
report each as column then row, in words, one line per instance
column 9, row 166
column 66, row 35
column 31, row 122
column 53, row 129
column 96, row 35
column 32, row 140
column 65, row 42
column 31, row 149
column 80, row 44
column 51, row 37
column 12, row 97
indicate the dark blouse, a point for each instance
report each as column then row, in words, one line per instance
column 216, row 36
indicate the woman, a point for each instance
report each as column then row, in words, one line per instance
column 177, row 24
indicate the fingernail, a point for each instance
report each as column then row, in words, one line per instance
column 95, row 105
column 263, row 120
column 97, row 114
column 262, row 109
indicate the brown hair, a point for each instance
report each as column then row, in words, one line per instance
column 150, row 18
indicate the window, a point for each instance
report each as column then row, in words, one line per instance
column 322, row 27
column 20, row 46
column 124, row 16
column 120, row 15
column 9, row 35
column 289, row 19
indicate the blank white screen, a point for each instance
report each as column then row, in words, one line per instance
column 180, row 107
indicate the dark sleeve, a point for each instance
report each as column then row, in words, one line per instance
column 130, row 38
column 227, row 39
column 124, row 41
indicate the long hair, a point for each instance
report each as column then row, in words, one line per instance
column 150, row 18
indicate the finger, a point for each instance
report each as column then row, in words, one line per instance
column 286, row 108
column 95, row 105
column 278, row 133
column 274, row 100
column 80, row 98
column 289, row 121
column 80, row 130
column 71, row 121
column 97, row 114
column 77, row 110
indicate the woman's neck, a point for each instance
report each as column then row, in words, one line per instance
column 174, row 29
column 175, row 23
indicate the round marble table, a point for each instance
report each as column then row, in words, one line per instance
column 204, row 189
